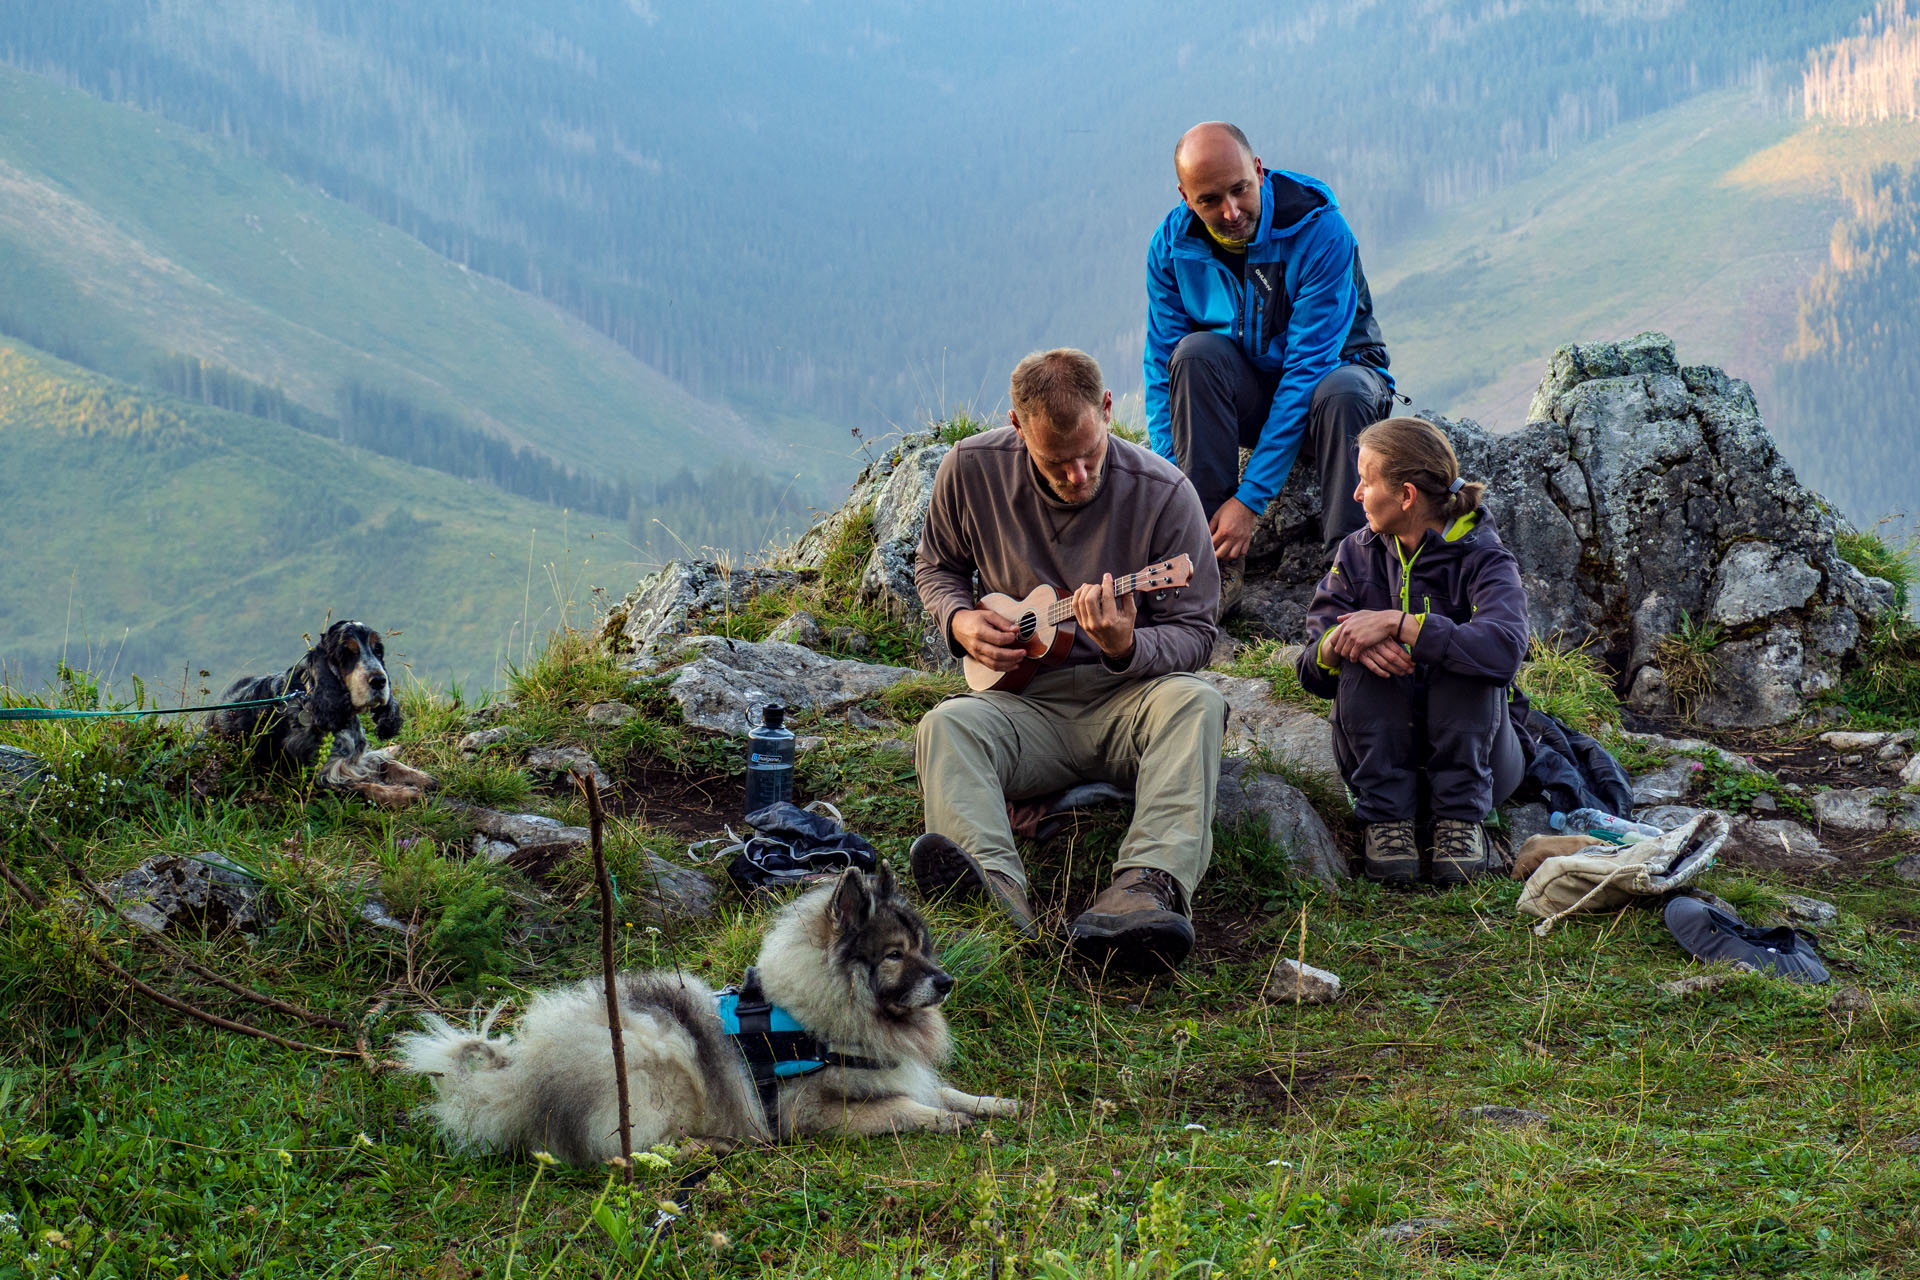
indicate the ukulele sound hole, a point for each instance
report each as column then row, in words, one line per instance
column 1028, row 623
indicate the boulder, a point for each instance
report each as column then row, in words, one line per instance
column 533, row 842
column 1908, row 869
column 559, row 760
column 1848, row 740
column 1665, row 785
column 729, row 681
column 1863, row 809
column 1247, row 794
column 893, row 492
column 1641, row 490
column 1910, row 773
column 480, row 739
column 801, row 628
column 1775, row 844
column 1813, row 912
column 1296, row 983
column 1258, row 721
column 204, row 893
column 611, row 714
column 20, row 770
column 678, row 600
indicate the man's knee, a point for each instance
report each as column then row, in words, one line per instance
column 1204, row 347
column 1182, row 700
column 957, row 722
column 1349, row 392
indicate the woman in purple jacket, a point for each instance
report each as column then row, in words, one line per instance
column 1417, row 633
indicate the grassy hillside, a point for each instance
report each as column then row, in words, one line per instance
column 1704, row 221
column 153, row 536
column 124, row 237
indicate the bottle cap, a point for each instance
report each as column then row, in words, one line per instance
column 773, row 716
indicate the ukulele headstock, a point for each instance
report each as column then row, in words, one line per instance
column 1168, row 577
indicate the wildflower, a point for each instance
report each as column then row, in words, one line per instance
column 1196, row 1128
column 651, row 1160
column 285, row 1156
column 544, row 1157
column 362, row 1140
column 718, row 1240
column 1696, row 766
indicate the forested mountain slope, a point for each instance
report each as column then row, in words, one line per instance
column 128, row 242
column 867, row 211
column 148, row 535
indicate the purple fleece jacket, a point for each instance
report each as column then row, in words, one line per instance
column 1464, row 583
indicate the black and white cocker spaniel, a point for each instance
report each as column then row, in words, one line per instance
column 338, row 679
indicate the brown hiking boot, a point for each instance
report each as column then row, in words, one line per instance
column 1460, row 851
column 942, row 869
column 1392, row 856
column 1137, row 923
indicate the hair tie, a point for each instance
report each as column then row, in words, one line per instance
column 1457, row 485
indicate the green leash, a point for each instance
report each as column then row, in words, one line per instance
column 56, row 713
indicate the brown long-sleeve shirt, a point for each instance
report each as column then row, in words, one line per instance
column 992, row 515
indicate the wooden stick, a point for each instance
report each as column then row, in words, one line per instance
column 596, row 822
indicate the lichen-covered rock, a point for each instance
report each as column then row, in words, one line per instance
column 20, row 770
column 1258, row 721
column 679, row 599
column 729, row 681
column 611, row 714
column 534, row 842
column 1641, row 491
column 480, row 739
column 1296, row 983
column 1286, row 815
column 203, row 893
column 559, row 760
column 801, row 628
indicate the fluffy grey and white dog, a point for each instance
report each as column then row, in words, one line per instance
column 852, row 962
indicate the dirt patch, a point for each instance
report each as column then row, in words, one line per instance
column 696, row 805
column 1268, row 1091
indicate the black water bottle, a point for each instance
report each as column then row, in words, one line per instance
column 769, row 760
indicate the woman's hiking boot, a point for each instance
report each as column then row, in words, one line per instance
column 1460, row 851
column 1137, row 923
column 942, row 868
column 1392, row 855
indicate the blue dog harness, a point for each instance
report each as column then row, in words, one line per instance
column 774, row 1044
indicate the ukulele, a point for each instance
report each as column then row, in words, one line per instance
column 1045, row 620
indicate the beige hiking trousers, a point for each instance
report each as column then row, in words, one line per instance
column 1160, row 736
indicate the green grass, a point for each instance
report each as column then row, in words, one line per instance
column 158, row 537
column 1182, row 1124
column 1570, row 685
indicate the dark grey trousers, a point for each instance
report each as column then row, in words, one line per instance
column 1220, row 402
column 1386, row 729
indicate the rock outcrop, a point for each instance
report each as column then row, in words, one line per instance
column 680, row 599
column 1640, row 492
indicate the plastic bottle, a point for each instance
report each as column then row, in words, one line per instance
column 769, row 760
column 1600, row 823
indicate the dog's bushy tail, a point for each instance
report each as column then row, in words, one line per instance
column 551, row 1086
column 479, row 1090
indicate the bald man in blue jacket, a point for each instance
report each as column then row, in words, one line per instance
column 1260, row 335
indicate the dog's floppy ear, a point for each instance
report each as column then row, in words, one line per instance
column 850, row 906
column 883, row 882
column 387, row 719
column 332, row 704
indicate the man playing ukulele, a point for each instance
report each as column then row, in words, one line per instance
column 1054, row 499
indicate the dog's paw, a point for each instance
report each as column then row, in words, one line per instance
column 999, row 1108
column 951, row 1122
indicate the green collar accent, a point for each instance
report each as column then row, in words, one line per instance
column 1462, row 527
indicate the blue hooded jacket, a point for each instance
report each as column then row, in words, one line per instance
column 1303, row 311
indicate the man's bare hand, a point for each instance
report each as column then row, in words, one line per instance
column 1232, row 529
column 1107, row 621
column 989, row 639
